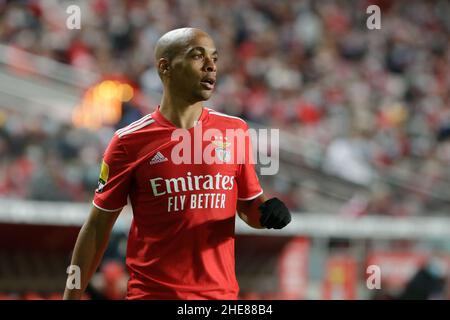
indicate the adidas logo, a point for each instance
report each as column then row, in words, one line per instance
column 157, row 158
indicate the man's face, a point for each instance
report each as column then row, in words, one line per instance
column 193, row 74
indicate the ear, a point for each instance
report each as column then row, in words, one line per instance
column 163, row 66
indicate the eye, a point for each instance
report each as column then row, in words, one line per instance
column 215, row 59
column 197, row 56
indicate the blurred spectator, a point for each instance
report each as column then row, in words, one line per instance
column 349, row 158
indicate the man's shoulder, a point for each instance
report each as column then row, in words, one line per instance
column 135, row 127
column 226, row 119
column 142, row 135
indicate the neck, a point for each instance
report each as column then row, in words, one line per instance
column 181, row 113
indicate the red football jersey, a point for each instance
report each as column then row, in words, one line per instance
column 181, row 241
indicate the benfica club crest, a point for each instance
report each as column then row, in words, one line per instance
column 223, row 153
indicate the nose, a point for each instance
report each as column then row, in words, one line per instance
column 210, row 65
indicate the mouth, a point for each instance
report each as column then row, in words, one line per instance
column 208, row 83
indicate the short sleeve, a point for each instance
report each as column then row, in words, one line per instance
column 114, row 179
column 247, row 180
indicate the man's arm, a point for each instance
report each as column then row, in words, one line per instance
column 249, row 212
column 261, row 213
column 90, row 247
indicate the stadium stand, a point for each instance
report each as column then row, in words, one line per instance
column 364, row 118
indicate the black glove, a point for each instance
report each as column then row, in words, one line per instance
column 274, row 214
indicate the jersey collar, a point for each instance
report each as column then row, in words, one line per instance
column 157, row 115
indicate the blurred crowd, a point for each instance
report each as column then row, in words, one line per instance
column 365, row 104
column 46, row 160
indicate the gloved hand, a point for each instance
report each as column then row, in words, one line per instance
column 274, row 214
